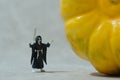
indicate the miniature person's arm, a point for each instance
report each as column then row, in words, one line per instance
column 45, row 51
column 48, row 45
column 32, row 57
column 30, row 45
column 33, row 51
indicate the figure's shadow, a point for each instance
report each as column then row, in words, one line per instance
column 56, row 71
column 96, row 74
column 52, row 72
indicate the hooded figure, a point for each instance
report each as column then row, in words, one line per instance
column 39, row 51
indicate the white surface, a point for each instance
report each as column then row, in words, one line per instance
column 18, row 18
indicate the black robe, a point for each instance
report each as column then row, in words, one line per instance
column 38, row 56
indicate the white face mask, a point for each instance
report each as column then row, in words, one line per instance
column 39, row 41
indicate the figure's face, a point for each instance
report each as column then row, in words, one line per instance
column 39, row 40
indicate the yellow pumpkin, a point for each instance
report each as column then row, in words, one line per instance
column 93, row 30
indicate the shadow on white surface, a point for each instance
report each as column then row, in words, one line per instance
column 96, row 74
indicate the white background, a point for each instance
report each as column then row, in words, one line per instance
column 18, row 18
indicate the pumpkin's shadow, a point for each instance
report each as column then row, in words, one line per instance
column 96, row 74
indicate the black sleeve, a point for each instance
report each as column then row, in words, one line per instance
column 48, row 45
column 33, row 52
column 32, row 56
column 30, row 45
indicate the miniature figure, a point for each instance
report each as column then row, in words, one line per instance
column 39, row 51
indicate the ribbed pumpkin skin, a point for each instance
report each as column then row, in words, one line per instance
column 93, row 30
